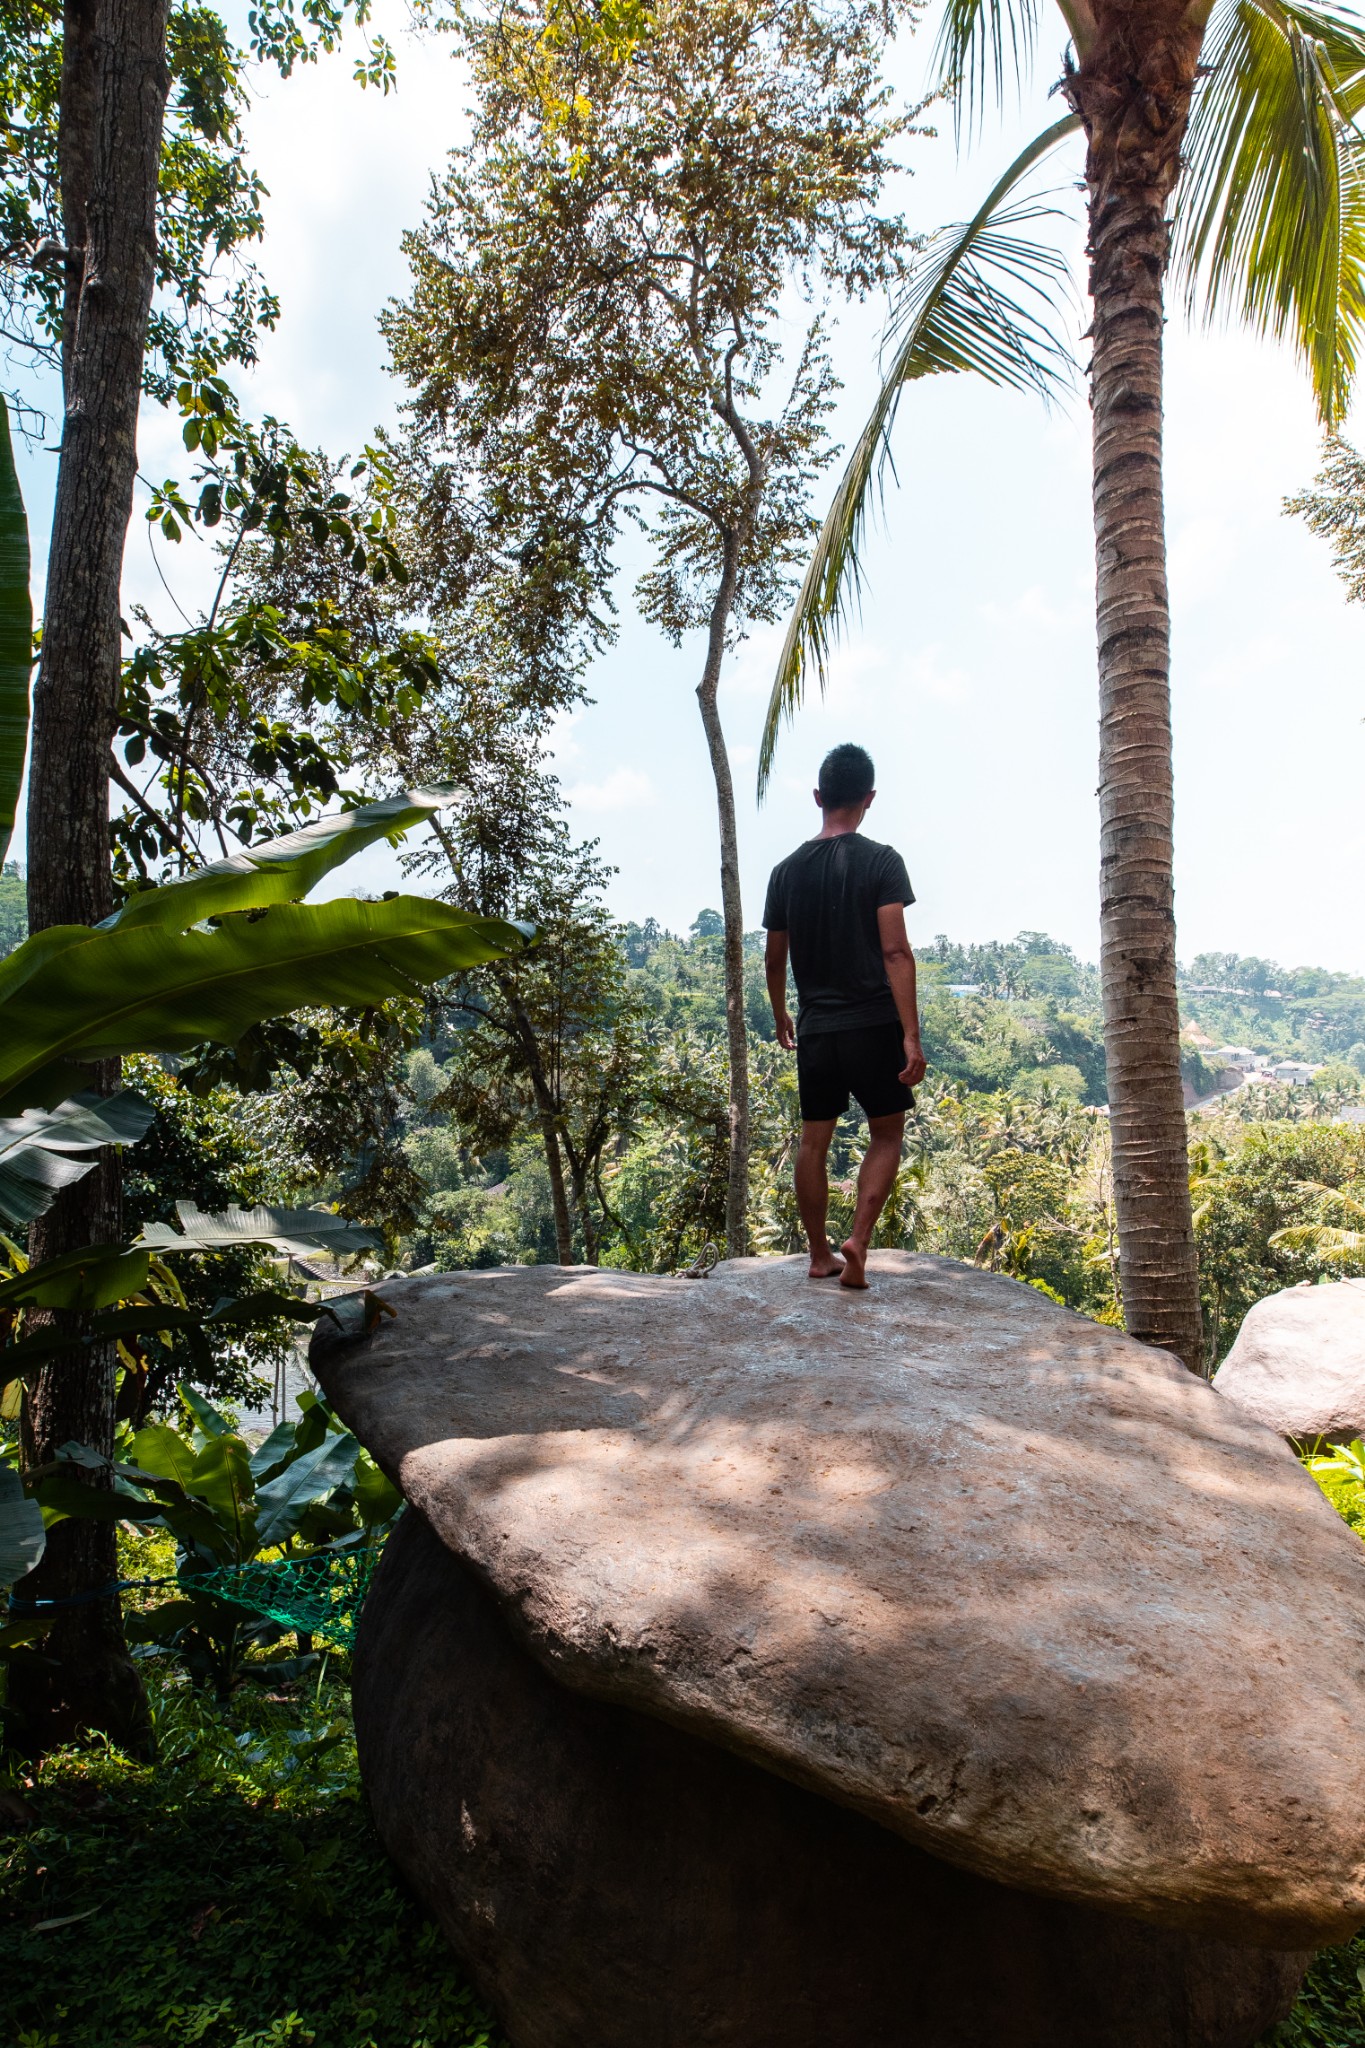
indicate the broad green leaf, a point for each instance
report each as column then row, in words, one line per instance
column 161, row 1450
column 282, row 1503
column 16, row 635
column 279, row 1448
column 90, row 1279
column 162, row 1624
column 46, row 1149
column 280, row 870
column 74, row 993
column 22, row 1538
column 14, row 1634
column 222, row 1480
column 155, row 1318
column 289, row 1230
column 376, row 1497
column 66, row 1497
column 207, row 1418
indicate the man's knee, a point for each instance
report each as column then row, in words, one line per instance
column 816, row 1138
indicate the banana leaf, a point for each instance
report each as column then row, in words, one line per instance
column 208, row 1421
column 280, row 870
column 90, row 1278
column 243, row 1312
column 16, row 635
column 46, row 1149
column 22, row 1538
column 289, row 1230
column 283, row 1501
column 377, row 1499
column 163, row 1452
column 221, row 1478
column 270, row 1457
column 76, row 993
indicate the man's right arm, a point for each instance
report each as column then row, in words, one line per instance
column 899, row 961
column 775, row 968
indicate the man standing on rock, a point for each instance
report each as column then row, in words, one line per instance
column 836, row 907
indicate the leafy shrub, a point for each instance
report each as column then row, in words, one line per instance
column 235, row 1897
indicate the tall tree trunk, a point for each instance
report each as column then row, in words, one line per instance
column 732, row 910
column 547, row 1111
column 113, row 103
column 582, row 1201
column 559, row 1201
column 1133, row 94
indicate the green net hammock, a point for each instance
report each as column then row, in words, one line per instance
column 320, row 1596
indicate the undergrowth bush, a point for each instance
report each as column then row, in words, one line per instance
column 236, row 1896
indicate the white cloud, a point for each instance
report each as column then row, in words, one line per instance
column 625, row 789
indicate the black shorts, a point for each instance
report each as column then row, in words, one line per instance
column 865, row 1063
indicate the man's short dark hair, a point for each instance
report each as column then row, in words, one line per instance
column 846, row 777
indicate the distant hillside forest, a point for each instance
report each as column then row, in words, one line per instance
column 574, row 1107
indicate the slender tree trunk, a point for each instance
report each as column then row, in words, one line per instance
column 579, row 1175
column 559, row 1201
column 732, row 909
column 113, row 103
column 1133, row 93
column 547, row 1111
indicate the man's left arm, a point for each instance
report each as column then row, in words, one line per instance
column 775, row 968
column 899, row 961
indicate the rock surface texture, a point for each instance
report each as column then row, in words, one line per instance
column 613, row 1882
column 1013, row 1587
column 1298, row 1364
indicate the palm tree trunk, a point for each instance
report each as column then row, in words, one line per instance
column 732, row 910
column 1133, row 94
column 113, row 101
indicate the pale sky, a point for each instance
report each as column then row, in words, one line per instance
column 971, row 674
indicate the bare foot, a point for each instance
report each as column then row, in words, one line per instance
column 826, row 1268
column 855, row 1265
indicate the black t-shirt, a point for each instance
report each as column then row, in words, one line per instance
column 826, row 896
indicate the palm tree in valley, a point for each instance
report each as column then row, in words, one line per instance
column 1222, row 149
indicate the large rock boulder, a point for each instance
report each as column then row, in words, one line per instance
column 616, row 1882
column 1014, row 1586
column 973, row 1601
column 1298, row 1363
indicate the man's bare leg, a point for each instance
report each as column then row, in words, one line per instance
column 812, row 1197
column 876, row 1178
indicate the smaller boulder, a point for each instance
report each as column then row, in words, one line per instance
column 1299, row 1362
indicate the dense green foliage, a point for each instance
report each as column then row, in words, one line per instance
column 1302, row 1013
column 13, row 908
column 236, row 1896
column 1256, row 1185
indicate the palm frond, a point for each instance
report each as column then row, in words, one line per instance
column 983, row 298
column 1334, row 1246
column 979, row 42
column 1269, row 220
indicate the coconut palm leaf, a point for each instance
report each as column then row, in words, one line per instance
column 281, row 870
column 1328, row 1242
column 1270, row 215
column 16, row 635
column 46, row 1149
column 982, row 297
column 73, row 993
